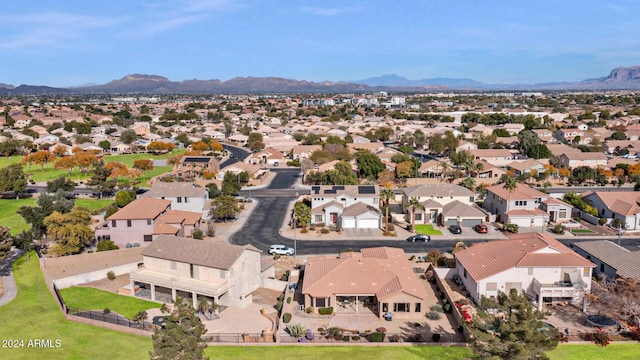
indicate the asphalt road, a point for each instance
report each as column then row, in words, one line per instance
column 239, row 154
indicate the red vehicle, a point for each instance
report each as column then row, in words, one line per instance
column 481, row 228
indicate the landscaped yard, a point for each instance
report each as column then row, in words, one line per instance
column 10, row 218
column 95, row 299
column 427, row 229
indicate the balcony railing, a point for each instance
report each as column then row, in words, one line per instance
column 558, row 286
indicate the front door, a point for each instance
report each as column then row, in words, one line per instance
column 334, row 218
column 433, row 214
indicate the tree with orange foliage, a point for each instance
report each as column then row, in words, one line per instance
column 66, row 163
column 160, row 146
column 143, row 165
column 84, row 160
column 215, row 146
column 386, row 178
column 618, row 173
column 564, row 173
column 634, row 169
column 200, row 146
column 117, row 169
column 42, row 158
column 59, row 151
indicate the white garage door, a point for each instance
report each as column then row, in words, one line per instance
column 368, row 224
column 348, row 223
column 520, row 221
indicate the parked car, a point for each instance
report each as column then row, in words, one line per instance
column 481, row 228
column 455, row 229
column 419, row 237
column 280, row 250
column 630, row 156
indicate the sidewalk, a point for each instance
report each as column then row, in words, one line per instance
column 224, row 230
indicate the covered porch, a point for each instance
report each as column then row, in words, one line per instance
column 558, row 292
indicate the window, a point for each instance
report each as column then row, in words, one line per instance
column 113, row 223
column 128, row 223
column 418, row 307
column 585, row 271
column 148, row 238
column 401, row 307
column 174, row 265
column 148, row 221
column 318, row 219
column 465, row 273
column 562, row 214
column 601, row 267
column 418, row 217
column 492, row 286
column 521, row 203
column 385, row 307
column 223, row 274
column 530, row 271
column 193, row 269
column 186, row 199
column 179, row 199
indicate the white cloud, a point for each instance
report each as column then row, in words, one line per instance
column 328, row 11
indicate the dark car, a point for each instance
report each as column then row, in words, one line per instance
column 455, row 229
column 481, row 228
column 419, row 237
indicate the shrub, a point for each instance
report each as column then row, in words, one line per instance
column 325, row 310
column 304, row 230
column 106, row 311
column 412, row 257
column 346, row 338
column 447, row 308
column 278, row 306
column 197, row 234
column 286, row 318
column 437, row 308
column 333, row 331
column 309, row 335
column 394, row 338
column 435, row 337
column 433, row 315
column 599, row 337
column 324, row 230
column 296, row 330
column 355, row 338
column 106, row 245
column 391, row 227
column 111, row 275
column 276, row 257
column 602, row 221
column 559, row 229
column 312, row 227
column 376, row 337
column 281, row 297
column 512, row 228
column 288, row 299
column 309, row 310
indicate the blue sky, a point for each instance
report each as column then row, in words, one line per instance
column 67, row 43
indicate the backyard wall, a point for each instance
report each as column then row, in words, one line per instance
column 94, row 275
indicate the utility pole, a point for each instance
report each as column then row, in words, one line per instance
column 619, row 232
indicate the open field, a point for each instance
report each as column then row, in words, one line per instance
column 619, row 351
column 95, row 299
column 10, row 218
column 34, row 314
column 338, row 352
column 427, row 229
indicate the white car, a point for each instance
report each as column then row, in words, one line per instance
column 630, row 156
column 280, row 250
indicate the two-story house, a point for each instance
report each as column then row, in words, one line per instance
column 142, row 220
column 621, row 205
column 346, row 206
column 183, row 196
column 194, row 166
column 444, row 204
column 537, row 264
column 575, row 159
column 568, row 135
column 496, row 157
column 220, row 272
column 520, row 206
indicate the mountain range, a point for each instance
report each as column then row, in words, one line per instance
column 621, row 78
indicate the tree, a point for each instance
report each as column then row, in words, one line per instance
column 123, row 198
column 214, row 192
column 436, row 144
column 60, row 183
column 386, row 194
column 12, row 178
column 255, row 141
column 510, row 184
column 5, row 242
column 224, row 207
column 181, row 336
column 413, row 204
column 303, row 214
column 518, row 335
column 70, row 231
column 468, row 183
column 230, row 184
column 101, row 181
column 619, row 135
column 128, row 136
column 369, row 164
column 105, row 144
column 143, row 165
column 405, row 169
column 45, row 206
column 66, row 163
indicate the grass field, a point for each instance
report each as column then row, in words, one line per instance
column 618, row 351
column 10, row 218
column 338, row 352
column 95, row 299
column 33, row 314
column 427, row 229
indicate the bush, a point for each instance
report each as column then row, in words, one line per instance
column 278, row 306
column 296, row 330
column 355, row 338
column 281, row 297
column 286, row 318
column 391, row 227
column 111, row 275
column 106, row 311
column 435, row 337
column 433, row 315
column 437, row 308
column 309, row 310
column 559, row 229
column 512, row 228
column 304, row 230
column 394, row 338
column 602, row 221
column 288, row 299
column 325, row 310
column 324, row 230
column 106, row 245
column 376, row 337
column 312, row 227
column 197, row 234
column 346, row 338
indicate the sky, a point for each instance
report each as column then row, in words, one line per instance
column 69, row 43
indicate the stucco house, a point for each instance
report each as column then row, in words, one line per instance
column 444, row 204
column 622, row 205
column 375, row 280
column 183, row 196
column 611, row 259
column 520, row 207
column 220, row 272
column 143, row 220
column 190, row 167
column 346, row 206
column 590, row 159
column 543, row 268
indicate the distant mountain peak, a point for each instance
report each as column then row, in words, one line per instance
column 631, row 73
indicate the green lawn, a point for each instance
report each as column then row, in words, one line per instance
column 582, row 231
column 619, row 351
column 33, row 314
column 9, row 211
column 95, row 299
column 338, row 352
column 427, row 229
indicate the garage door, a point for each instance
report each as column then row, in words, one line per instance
column 368, row 224
column 348, row 223
column 450, row 222
column 470, row 222
column 520, row 221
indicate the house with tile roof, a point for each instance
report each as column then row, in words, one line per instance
column 622, row 205
column 143, row 220
column 611, row 259
column 184, row 196
column 444, row 204
column 575, row 159
column 346, row 206
column 215, row 270
column 520, row 207
column 496, row 157
column 375, row 280
column 537, row 264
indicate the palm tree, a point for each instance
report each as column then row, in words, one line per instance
column 510, row 184
column 445, row 170
column 414, row 203
column 203, row 306
column 386, row 194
